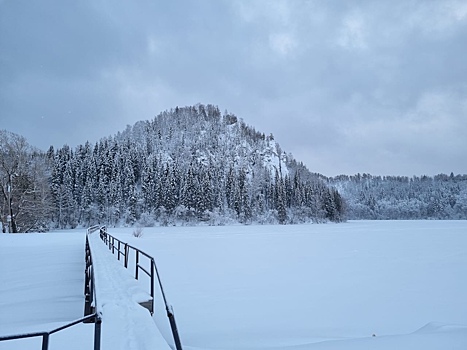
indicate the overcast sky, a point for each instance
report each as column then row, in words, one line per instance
column 374, row 87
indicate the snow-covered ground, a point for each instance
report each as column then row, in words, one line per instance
column 291, row 286
column 42, row 285
column 358, row 285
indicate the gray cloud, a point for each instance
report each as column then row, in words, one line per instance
column 363, row 86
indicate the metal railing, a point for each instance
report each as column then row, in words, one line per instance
column 123, row 250
column 89, row 284
column 91, row 313
column 46, row 334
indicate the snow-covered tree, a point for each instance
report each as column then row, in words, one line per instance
column 25, row 200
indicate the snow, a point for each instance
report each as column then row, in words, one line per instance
column 282, row 286
column 359, row 285
column 129, row 327
column 22, row 261
column 274, row 161
column 114, row 283
column 42, row 286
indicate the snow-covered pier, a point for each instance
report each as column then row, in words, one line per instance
column 126, row 323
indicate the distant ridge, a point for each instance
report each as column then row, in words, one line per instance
column 369, row 197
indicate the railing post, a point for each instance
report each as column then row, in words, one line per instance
column 45, row 341
column 173, row 326
column 137, row 261
column 97, row 333
column 153, row 268
column 126, row 255
column 118, row 254
column 92, row 287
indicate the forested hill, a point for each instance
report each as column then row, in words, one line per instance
column 186, row 165
column 401, row 197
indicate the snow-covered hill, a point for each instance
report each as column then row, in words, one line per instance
column 187, row 165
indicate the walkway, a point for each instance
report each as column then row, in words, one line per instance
column 42, row 285
column 125, row 324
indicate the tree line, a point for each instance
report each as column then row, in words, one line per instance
column 400, row 197
column 195, row 164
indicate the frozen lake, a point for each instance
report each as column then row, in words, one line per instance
column 269, row 286
column 330, row 286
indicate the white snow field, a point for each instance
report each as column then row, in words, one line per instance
column 358, row 285
column 42, row 285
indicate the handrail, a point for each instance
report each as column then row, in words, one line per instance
column 115, row 245
column 92, row 314
column 46, row 334
column 90, row 305
column 110, row 240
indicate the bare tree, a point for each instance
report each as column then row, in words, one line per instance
column 25, row 199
